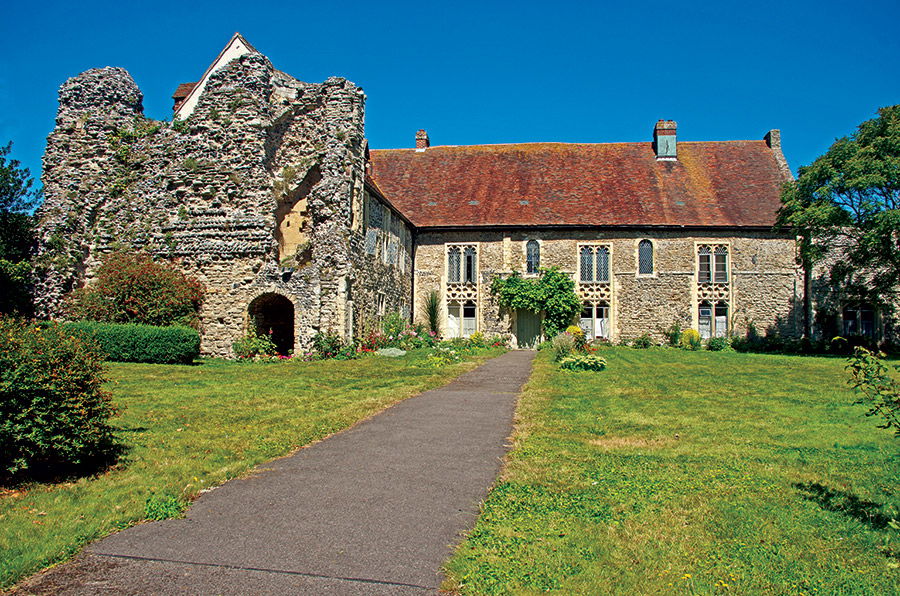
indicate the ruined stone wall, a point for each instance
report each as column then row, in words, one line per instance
column 765, row 286
column 382, row 255
column 207, row 192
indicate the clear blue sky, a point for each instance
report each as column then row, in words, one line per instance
column 490, row 72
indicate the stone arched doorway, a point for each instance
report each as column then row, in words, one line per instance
column 273, row 315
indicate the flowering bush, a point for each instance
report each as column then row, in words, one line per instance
column 328, row 344
column 577, row 334
column 583, row 362
column 131, row 288
column 54, row 412
column 690, row 339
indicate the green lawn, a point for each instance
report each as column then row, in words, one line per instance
column 192, row 427
column 690, row 472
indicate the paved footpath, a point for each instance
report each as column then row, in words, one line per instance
column 375, row 509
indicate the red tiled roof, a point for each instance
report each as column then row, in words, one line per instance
column 731, row 183
column 183, row 90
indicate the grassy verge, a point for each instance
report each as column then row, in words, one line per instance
column 192, row 427
column 690, row 472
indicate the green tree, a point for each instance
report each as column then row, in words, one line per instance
column 17, row 200
column 848, row 201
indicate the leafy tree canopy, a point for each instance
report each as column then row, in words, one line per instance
column 553, row 293
column 17, row 199
column 848, row 201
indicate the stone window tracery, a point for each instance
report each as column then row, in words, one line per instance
column 593, row 272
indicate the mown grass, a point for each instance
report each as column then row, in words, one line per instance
column 192, row 427
column 690, row 472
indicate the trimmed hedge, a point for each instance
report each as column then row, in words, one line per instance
column 130, row 342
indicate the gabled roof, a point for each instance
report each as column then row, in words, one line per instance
column 236, row 46
column 730, row 183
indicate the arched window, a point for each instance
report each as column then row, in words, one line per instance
column 586, row 268
column 704, row 273
column 453, row 264
column 470, row 268
column 721, row 264
column 603, row 264
column 645, row 258
column 532, row 256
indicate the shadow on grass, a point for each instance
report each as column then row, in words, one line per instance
column 845, row 503
column 107, row 457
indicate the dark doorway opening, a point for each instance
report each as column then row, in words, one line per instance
column 273, row 315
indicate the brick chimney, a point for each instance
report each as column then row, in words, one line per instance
column 664, row 140
column 422, row 142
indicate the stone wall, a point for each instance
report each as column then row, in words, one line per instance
column 765, row 285
column 212, row 192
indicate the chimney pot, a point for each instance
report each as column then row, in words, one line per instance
column 664, row 140
column 422, row 141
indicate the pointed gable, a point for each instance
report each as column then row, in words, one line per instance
column 235, row 48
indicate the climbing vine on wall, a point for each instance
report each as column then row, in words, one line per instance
column 553, row 292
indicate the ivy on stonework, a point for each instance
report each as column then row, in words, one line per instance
column 553, row 293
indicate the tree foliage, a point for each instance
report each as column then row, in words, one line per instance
column 553, row 293
column 848, row 201
column 17, row 200
column 132, row 288
column 878, row 390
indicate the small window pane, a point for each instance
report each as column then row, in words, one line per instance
column 453, row 256
column 705, row 321
column 533, row 256
column 470, row 265
column 587, row 263
column 645, row 258
column 603, row 264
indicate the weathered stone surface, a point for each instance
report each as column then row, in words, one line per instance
column 206, row 193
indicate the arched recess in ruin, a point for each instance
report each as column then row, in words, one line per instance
column 273, row 315
column 292, row 220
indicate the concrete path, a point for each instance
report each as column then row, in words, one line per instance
column 375, row 509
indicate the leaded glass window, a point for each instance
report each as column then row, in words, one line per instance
column 705, row 267
column 587, row 264
column 469, row 254
column 721, row 263
column 645, row 258
column 603, row 264
column 453, row 264
column 533, row 256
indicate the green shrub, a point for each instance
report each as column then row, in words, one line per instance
column 141, row 343
column 562, row 345
column 643, row 342
column 253, row 345
column 717, row 344
column 54, row 412
column 673, row 334
column 690, row 339
column 131, row 288
column 583, row 362
column 477, row 340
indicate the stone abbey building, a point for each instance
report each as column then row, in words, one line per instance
column 264, row 188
